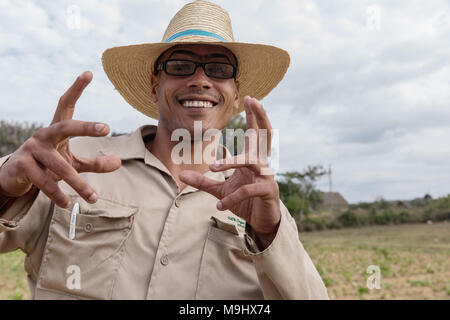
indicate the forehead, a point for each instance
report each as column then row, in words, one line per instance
column 200, row 50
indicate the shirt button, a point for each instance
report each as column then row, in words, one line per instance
column 164, row 260
column 88, row 227
column 177, row 202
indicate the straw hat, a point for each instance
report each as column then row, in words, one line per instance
column 129, row 68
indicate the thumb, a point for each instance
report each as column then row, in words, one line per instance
column 102, row 164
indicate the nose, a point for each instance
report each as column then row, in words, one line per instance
column 199, row 80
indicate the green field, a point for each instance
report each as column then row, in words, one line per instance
column 414, row 260
column 13, row 283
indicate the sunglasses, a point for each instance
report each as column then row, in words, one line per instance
column 182, row 68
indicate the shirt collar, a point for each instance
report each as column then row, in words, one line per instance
column 129, row 146
column 132, row 146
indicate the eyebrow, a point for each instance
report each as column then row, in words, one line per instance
column 212, row 55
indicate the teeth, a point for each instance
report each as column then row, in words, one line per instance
column 197, row 104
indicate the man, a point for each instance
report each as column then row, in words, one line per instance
column 151, row 226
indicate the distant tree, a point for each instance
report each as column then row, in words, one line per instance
column 293, row 202
column 382, row 203
column 13, row 135
column 420, row 202
column 315, row 198
column 303, row 184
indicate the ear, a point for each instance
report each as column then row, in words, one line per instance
column 237, row 96
column 154, row 83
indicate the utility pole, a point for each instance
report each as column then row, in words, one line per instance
column 329, row 176
column 331, row 187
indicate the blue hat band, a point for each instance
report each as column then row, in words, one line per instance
column 195, row 32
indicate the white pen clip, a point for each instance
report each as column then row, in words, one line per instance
column 73, row 220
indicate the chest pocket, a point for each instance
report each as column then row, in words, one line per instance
column 225, row 271
column 85, row 266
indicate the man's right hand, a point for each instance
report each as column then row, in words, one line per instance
column 45, row 158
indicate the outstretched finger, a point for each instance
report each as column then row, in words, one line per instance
column 66, row 104
column 201, row 182
column 40, row 179
column 243, row 193
column 72, row 128
column 260, row 114
column 254, row 167
column 249, row 113
column 262, row 123
column 246, row 160
column 54, row 162
column 259, row 141
column 99, row 164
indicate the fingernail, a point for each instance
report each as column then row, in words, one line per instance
column 219, row 205
column 93, row 197
column 99, row 127
column 82, row 75
column 67, row 205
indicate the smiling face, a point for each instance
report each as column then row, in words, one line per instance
column 185, row 99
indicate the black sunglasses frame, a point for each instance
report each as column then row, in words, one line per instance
column 162, row 66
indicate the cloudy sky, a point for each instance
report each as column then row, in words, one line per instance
column 367, row 91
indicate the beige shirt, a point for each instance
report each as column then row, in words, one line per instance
column 144, row 239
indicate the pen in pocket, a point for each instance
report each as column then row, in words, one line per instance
column 73, row 220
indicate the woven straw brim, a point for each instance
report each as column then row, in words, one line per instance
column 129, row 68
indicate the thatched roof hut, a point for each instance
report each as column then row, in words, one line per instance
column 333, row 200
column 402, row 204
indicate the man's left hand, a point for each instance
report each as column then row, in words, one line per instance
column 251, row 192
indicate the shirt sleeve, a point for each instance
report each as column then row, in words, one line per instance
column 11, row 209
column 5, row 202
column 17, row 228
column 284, row 268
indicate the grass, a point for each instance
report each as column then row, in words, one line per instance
column 13, row 283
column 413, row 259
